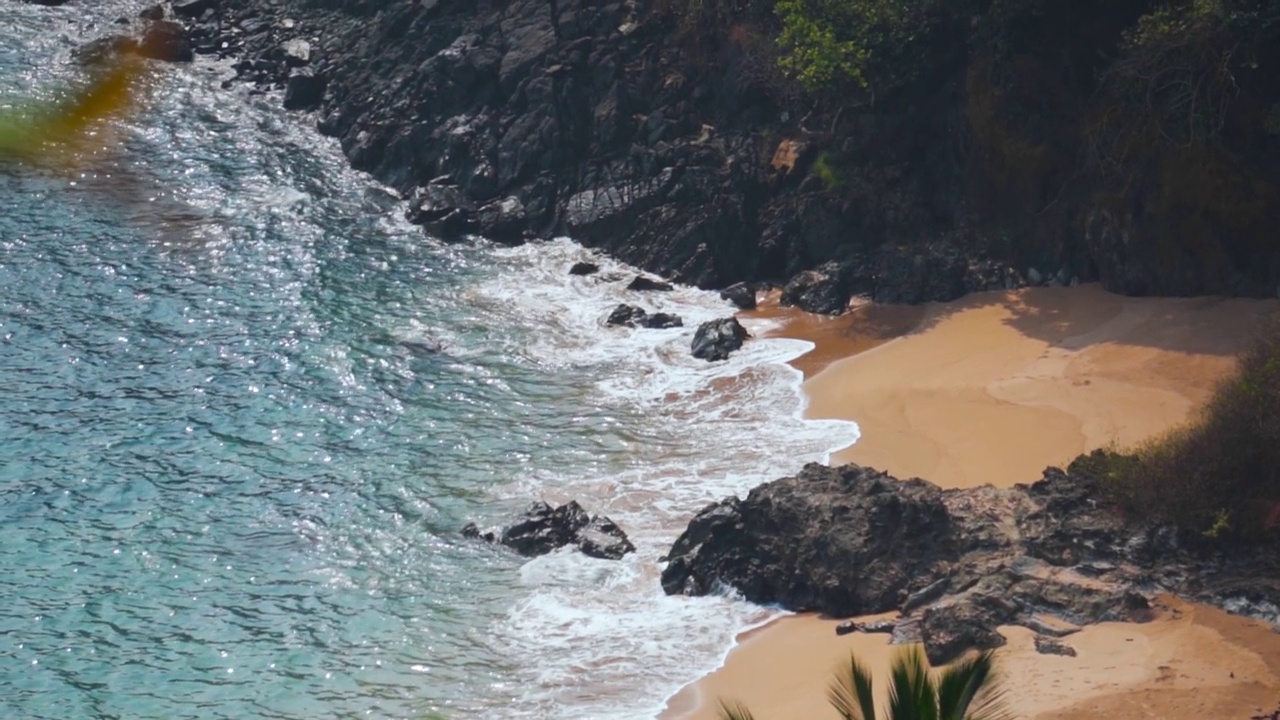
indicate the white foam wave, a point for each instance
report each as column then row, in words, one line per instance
column 599, row 639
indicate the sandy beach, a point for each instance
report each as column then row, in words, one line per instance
column 992, row 389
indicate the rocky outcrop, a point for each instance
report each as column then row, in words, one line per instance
column 779, row 545
column 717, row 339
column 544, row 529
column 956, row 563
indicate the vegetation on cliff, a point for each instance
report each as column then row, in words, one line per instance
column 1218, row 475
column 1132, row 141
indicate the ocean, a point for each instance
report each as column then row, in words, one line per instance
column 245, row 409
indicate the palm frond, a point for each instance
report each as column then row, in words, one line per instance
column 912, row 695
column 851, row 692
column 737, row 711
column 967, row 690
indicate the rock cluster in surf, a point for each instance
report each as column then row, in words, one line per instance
column 956, row 564
column 544, row 529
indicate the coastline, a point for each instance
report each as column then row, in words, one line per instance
column 991, row 389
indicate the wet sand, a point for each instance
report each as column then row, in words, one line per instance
column 992, row 389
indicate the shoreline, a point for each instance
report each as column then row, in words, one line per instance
column 1108, row 370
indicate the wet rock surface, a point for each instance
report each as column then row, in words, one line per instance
column 632, row 316
column 956, row 564
column 544, row 529
column 717, row 339
column 742, row 295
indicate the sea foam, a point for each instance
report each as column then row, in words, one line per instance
column 599, row 639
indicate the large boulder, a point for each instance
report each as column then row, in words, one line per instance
column 717, row 339
column 544, row 529
column 825, row 290
column 842, row 541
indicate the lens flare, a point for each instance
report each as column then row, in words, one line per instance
column 60, row 131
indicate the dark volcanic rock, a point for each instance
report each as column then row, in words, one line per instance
column 193, row 8
column 740, row 294
column 503, row 220
column 544, row 529
column 843, row 541
column 166, row 40
column 717, row 339
column 949, row 630
column 432, row 203
column 825, row 290
column 304, row 90
column 603, row 539
column 1050, row 556
column 584, row 268
column 629, row 315
column 632, row 316
column 626, row 143
column 662, row 321
column 1049, row 646
column 644, row 284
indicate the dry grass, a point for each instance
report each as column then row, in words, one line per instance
column 1219, row 474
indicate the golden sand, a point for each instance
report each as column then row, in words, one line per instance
column 992, row 389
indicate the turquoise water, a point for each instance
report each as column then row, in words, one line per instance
column 232, row 472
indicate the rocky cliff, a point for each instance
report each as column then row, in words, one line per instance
column 1015, row 140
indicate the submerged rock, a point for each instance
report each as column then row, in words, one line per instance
column 717, row 339
column 544, row 529
column 584, row 268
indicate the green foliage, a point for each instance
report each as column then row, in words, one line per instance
column 829, row 43
column 966, row 690
column 1221, row 524
column 830, row 176
column 812, row 52
column 1218, row 475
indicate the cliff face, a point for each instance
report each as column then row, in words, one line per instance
column 1021, row 137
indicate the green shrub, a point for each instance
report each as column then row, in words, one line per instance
column 1219, row 474
column 828, row 43
column 829, row 175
